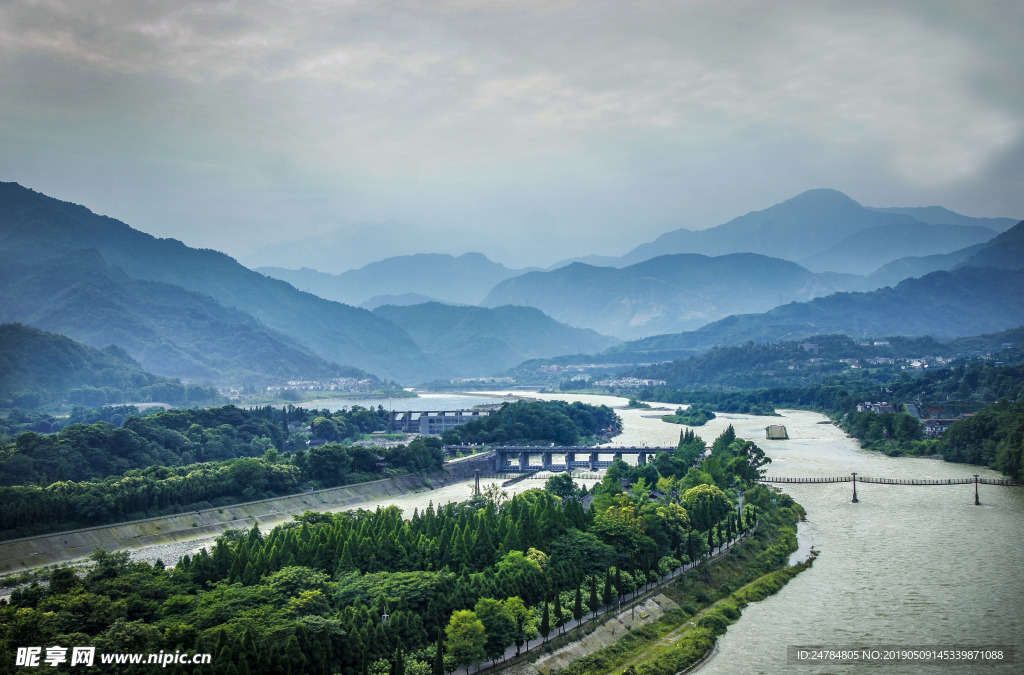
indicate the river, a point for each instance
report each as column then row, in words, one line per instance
column 906, row 566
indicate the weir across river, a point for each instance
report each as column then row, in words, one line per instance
column 521, row 459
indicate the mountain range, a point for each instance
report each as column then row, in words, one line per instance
column 966, row 301
column 468, row 341
column 815, row 221
column 665, row 294
column 463, row 279
column 200, row 315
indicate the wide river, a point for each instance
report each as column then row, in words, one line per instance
column 907, row 566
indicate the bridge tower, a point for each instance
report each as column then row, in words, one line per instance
column 854, row 487
column 977, row 502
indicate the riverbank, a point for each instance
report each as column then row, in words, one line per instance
column 700, row 606
column 169, row 537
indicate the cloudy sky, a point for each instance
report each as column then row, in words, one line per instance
column 531, row 131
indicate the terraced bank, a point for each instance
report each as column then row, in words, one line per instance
column 18, row 555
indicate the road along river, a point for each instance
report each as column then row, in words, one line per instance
column 907, row 566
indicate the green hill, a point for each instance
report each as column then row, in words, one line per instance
column 40, row 369
column 168, row 330
column 35, row 229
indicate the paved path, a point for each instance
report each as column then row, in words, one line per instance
column 623, row 603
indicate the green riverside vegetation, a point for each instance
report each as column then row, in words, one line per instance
column 697, row 415
column 169, row 461
column 539, row 423
column 370, row 592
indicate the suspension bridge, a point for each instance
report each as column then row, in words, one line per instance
column 854, row 478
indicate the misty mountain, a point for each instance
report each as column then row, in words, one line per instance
column 463, row 279
column 476, row 341
column 1005, row 251
column 168, row 330
column 861, row 252
column 665, row 294
column 45, row 369
column 967, row 301
column 35, row 228
column 353, row 246
column 403, row 300
column 937, row 215
column 817, row 223
column 896, row 271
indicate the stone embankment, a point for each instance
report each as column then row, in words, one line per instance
column 172, row 535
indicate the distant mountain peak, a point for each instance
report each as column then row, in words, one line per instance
column 821, row 196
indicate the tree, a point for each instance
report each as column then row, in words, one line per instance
column 705, row 506
column 545, row 622
column 558, row 609
column 499, row 625
column 523, row 615
column 438, row 668
column 561, row 485
column 577, row 606
column 592, row 603
column 466, row 638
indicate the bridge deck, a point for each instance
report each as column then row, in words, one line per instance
column 891, row 481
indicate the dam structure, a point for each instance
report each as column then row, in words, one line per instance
column 530, row 458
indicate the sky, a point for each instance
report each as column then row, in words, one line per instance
column 331, row 134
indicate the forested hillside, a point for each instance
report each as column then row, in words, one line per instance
column 132, row 278
column 40, row 369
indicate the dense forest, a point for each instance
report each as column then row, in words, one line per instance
column 89, row 474
column 540, row 423
column 362, row 592
column 46, row 370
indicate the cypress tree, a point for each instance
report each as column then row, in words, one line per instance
column 439, row 655
column 545, row 622
column 593, row 595
column 577, row 605
column 558, row 609
column 399, row 668
column 607, row 597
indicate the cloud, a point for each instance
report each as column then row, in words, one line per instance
column 457, row 113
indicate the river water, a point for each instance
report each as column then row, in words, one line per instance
column 907, row 566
